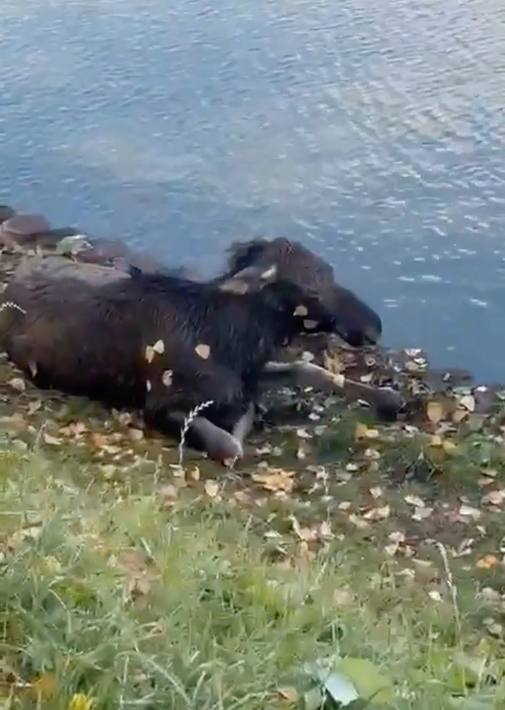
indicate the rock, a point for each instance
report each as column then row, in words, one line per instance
column 6, row 213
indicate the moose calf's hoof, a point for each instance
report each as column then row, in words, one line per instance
column 388, row 403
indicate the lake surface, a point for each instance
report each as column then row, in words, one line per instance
column 373, row 132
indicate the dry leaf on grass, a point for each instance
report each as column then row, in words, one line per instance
column 435, row 411
column 275, row 479
column 468, row 511
column 488, row 562
column 494, row 497
column 421, row 513
column 378, row 513
column 415, row 501
column 211, row 488
column 51, row 440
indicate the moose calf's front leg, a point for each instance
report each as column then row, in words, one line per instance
column 387, row 401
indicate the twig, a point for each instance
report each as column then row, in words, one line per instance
column 187, row 423
column 11, row 304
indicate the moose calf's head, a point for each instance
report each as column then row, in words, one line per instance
column 303, row 282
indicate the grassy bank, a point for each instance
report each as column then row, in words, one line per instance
column 153, row 590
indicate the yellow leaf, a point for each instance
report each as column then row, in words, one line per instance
column 434, row 411
column 159, row 347
column 44, row 686
column 360, row 431
column 203, row 351
column 468, row 402
column 149, row 353
column 79, row 701
column 211, row 488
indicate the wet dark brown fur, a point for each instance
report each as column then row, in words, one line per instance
column 88, row 329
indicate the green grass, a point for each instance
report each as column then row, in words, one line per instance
column 108, row 591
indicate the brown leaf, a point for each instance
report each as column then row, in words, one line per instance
column 488, row 562
column 288, row 694
column 99, row 440
column 275, row 479
column 434, row 411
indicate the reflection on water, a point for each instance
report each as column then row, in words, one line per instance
column 373, row 131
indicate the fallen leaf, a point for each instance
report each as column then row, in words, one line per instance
column 415, row 501
column 376, row 492
column 288, row 694
column 468, row 402
column 301, row 311
column 459, row 415
column 468, row 511
column 488, row 562
column 434, row 411
column 45, row 686
column 99, row 440
column 159, row 347
column 306, row 534
column 358, row 522
column 276, row 479
column 80, row 701
column 494, row 497
column 203, row 351
column 435, row 595
column 149, row 353
column 135, row 434
column 18, row 384
column 211, row 488
column 360, row 431
column 325, row 532
column 344, row 505
column 378, row 513
column 421, row 513
column 166, row 378
column 51, row 440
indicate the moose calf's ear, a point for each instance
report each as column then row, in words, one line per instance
column 250, row 280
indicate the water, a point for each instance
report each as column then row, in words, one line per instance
column 373, row 132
